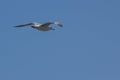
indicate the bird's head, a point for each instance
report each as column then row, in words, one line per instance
column 58, row 23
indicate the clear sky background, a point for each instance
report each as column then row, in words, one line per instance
column 86, row 48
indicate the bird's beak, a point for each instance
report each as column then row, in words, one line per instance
column 60, row 25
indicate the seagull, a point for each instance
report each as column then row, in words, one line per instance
column 42, row 27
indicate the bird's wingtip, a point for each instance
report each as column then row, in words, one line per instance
column 15, row 26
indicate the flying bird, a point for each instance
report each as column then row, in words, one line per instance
column 42, row 27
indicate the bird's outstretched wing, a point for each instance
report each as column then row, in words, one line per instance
column 27, row 24
column 48, row 23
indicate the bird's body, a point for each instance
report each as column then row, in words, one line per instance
column 42, row 27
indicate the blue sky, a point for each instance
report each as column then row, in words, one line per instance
column 86, row 48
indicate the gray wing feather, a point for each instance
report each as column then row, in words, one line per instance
column 46, row 24
column 23, row 25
